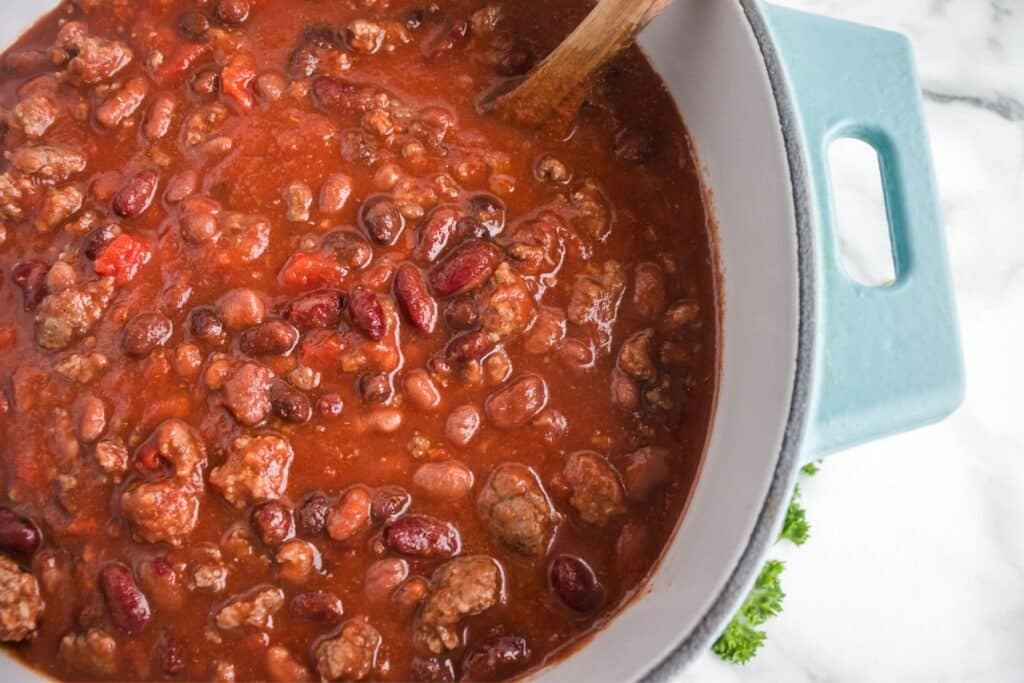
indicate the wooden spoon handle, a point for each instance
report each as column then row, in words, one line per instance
column 553, row 92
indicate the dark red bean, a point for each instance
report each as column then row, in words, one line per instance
column 489, row 210
column 467, row 268
column 518, row 402
column 436, row 230
column 194, row 26
column 574, row 582
column 381, row 219
column 461, row 313
column 431, row 670
column 468, row 346
column 135, row 195
column 497, row 658
column 290, row 403
column 374, row 387
column 206, row 325
column 312, row 514
column 93, row 243
column 318, row 606
column 274, row 337
column 316, row 310
column 366, row 312
column 146, row 332
column 414, row 298
column 336, row 94
column 30, row 276
column 232, row 12
column 423, row 536
column 18, row 534
column 348, row 248
column 388, row 503
column 330, row 405
column 274, row 522
column 127, row 605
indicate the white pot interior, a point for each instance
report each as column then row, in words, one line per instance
column 713, row 66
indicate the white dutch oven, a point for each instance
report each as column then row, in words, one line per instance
column 812, row 361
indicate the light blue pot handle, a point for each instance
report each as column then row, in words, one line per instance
column 888, row 358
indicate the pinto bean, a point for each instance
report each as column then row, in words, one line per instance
column 421, row 390
column 146, row 332
column 517, row 403
column 383, row 576
column 448, row 480
column 232, row 12
column 241, row 308
column 462, row 425
column 270, row 337
column 389, row 503
column 350, row 515
column 423, row 536
column 319, row 606
column 127, row 605
column 334, row 193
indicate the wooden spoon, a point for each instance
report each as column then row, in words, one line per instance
column 552, row 93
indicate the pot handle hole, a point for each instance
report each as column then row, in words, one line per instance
column 888, row 357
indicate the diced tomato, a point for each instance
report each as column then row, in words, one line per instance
column 179, row 61
column 122, row 258
column 322, row 350
column 236, row 77
column 309, row 270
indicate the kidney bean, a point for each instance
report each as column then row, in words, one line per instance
column 423, row 536
column 490, row 211
column 388, row 503
column 146, row 332
column 381, row 219
column 290, row 403
column 437, row 228
column 574, row 582
column 414, row 298
column 330, row 405
column 93, row 243
column 497, row 658
column 467, row 268
column 468, row 346
column 318, row 606
column 155, row 126
column 312, row 514
column 349, row 515
column 409, row 595
column 448, row 480
column 127, row 605
column 316, row 310
column 420, row 389
column 334, row 93
column 383, row 576
column 366, row 312
column 462, row 423
column 347, row 247
column 194, row 25
column 461, row 313
column 274, row 522
column 374, row 387
column 135, row 195
column 30, row 276
column 271, row 337
column 206, row 325
column 18, row 534
column 232, row 12
column 517, row 403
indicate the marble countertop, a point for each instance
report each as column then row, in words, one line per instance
column 915, row 566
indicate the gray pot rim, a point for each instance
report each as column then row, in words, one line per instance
column 776, row 500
